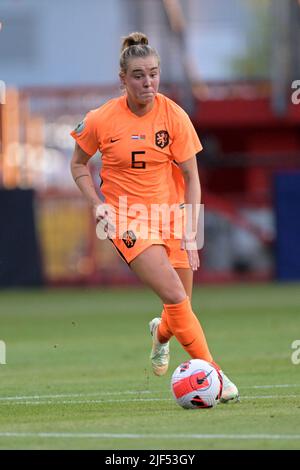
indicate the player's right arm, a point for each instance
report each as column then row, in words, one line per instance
column 82, row 177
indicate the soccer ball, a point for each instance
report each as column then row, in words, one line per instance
column 196, row 384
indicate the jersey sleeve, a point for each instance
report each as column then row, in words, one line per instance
column 186, row 142
column 85, row 134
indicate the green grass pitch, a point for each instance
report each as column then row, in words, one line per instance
column 77, row 372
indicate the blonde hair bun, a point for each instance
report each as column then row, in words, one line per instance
column 134, row 39
column 133, row 46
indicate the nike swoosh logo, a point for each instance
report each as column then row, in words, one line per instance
column 201, row 381
column 188, row 344
column 114, row 140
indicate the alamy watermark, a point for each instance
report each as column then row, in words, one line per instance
column 152, row 222
column 296, row 94
column 2, row 352
column 295, row 357
column 2, row 92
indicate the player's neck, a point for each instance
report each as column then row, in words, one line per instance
column 138, row 108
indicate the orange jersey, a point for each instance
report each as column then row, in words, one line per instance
column 138, row 151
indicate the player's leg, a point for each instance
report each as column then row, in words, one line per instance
column 179, row 282
column 153, row 267
column 178, row 258
column 183, row 323
column 186, row 276
column 230, row 391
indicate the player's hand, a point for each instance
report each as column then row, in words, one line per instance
column 105, row 228
column 189, row 243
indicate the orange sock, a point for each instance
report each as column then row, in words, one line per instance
column 185, row 326
column 163, row 331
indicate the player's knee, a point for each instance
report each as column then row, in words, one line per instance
column 172, row 289
column 174, row 294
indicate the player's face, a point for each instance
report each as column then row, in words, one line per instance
column 142, row 80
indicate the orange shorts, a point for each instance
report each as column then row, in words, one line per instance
column 133, row 247
column 129, row 245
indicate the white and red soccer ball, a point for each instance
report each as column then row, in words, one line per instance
column 197, row 384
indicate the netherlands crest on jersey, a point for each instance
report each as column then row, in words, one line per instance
column 162, row 139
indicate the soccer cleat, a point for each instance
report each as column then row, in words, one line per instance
column 160, row 351
column 230, row 392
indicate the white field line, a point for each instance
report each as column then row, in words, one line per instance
column 126, row 392
column 73, row 395
column 274, row 386
column 258, row 397
column 127, row 400
column 87, row 402
column 95, row 435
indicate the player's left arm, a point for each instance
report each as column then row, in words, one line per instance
column 190, row 173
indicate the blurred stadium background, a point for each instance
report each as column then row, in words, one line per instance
column 230, row 64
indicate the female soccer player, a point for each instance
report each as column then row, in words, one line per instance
column 148, row 146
